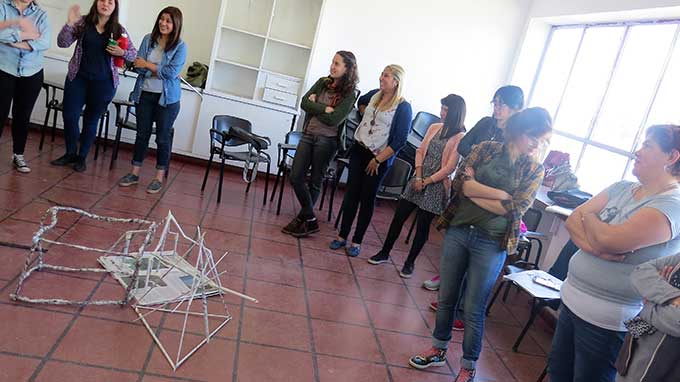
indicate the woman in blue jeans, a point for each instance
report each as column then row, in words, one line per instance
column 626, row 225
column 494, row 186
column 157, row 94
column 92, row 77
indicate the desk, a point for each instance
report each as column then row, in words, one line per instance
column 552, row 225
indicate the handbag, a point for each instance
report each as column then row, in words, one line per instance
column 570, row 198
column 197, row 74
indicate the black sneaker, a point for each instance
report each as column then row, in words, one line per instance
column 433, row 357
column 406, row 271
column 379, row 258
column 306, row 228
column 128, row 180
column 65, row 160
column 292, row 226
column 80, row 165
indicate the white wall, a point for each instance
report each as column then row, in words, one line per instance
column 445, row 46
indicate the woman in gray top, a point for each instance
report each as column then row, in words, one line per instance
column 624, row 226
column 651, row 350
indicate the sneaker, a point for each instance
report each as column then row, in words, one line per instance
column 379, row 258
column 128, row 180
column 458, row 325
column 65, row 160
column 433, row 357
column 305, row 228
column 434, row 306
column 337, row 244
column 20, row 163
column 465, row 375
column 154, row 186
column 292, row 226
column 431, row 284
column 353, row 250
column 406, row 271
column 80, row 165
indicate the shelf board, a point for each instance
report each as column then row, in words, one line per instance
column 243, row 31
column 290, row 43
column 222, row 60
column 250, row 101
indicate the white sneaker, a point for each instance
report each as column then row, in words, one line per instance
column 20, row 164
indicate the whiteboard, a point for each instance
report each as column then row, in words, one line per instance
column 57, row 11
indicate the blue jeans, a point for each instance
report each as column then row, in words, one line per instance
column 148, row 112
column 466, row 249
column 95, row 95
column 315, row 152
column 582, row 352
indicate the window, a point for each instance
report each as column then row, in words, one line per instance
column 604, row 85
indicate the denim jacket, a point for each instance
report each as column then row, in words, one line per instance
column 168, row 71
column 22, row 62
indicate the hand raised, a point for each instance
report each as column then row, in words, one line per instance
column 73, row 14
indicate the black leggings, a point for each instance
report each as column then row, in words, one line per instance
column 20, row 93
column 360, row 193
column 423, row 220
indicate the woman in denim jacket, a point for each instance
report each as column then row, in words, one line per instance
column 157, row 93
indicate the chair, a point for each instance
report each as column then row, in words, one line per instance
column 397, row 177
column 521, row 260
column 558, row 271
column 229, row 131
column 342, row 158
column 286, row 150
column 53, row 105
column 419, row 127
column 127, row 109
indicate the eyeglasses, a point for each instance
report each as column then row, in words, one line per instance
column 497, row 104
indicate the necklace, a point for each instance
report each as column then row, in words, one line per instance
column 375, row 114
column 663, row 189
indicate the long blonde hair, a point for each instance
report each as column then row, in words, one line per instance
column 398, row 73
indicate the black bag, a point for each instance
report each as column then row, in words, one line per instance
column 571, row 198
column 197, row 74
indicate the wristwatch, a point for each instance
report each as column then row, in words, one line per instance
column 376, row 160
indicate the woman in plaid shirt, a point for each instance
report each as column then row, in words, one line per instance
column 494, row 186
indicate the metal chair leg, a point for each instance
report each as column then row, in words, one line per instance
column 536, row 306
column 43, row 128
column 276, row 184
column 116, row 147
column 283, row 184
column 100, row 131
column 266, row 184
column 219, row 187
column 54, row 124
column 207, row 171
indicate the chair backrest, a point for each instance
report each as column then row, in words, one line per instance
column 532, row 218
column 560, row 267
column 398, row 175
column 292, row 138
column 421, row 122
column 222, row 125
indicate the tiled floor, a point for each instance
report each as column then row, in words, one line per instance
column 322, row 316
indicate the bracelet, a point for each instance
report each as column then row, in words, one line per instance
column 376, row 160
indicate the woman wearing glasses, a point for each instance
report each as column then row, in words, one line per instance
column 378, row 139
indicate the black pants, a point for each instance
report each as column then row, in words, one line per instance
column 316, row 152
column 20, row 93
column 423, row 220
column 360, row 193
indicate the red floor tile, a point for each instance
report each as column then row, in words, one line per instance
column 16, row 368
column 275, row 329
column 334, row 282
column 345, row 340
column 337, row 308
column 397, row 318
column 61, row 371
column 259, row 363
column 277, row 271
column 385, row 292
column 333, row 369
column 24, row 330
column 277, row 297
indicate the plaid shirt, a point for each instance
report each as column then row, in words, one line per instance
column 529, row 174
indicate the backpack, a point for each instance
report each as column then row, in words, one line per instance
column 197, row 74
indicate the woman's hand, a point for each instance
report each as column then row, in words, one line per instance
column 140, row 63
column 28, row 30
column 312, row 97
column 329, row 110
column 73, row 15
column 115, row 51
column 372, row 167
column 21, row 45
column 418, row 184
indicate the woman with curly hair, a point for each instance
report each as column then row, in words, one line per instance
column 326, row 105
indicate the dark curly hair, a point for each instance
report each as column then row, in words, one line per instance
column 348, row 82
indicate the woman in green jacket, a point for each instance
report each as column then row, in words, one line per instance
column 326, row 105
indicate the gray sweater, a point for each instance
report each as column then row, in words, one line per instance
column 656, row 357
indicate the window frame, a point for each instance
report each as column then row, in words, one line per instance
column 587, row 140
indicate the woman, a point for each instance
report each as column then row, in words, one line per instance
column 507, row 101
column 623, row 226
column 24, row 37
column 157, row 94
column 377, row 140
column 651, row 350
column 92, row 78
column 326, row 105
column 428, row 191
column 495, row 185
